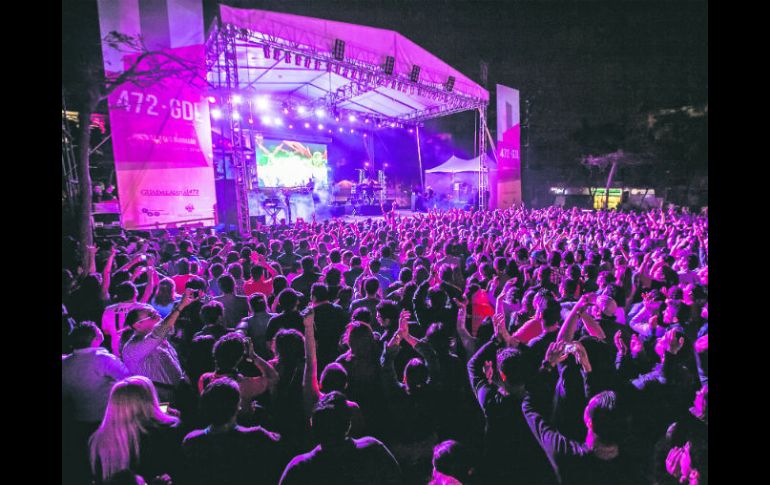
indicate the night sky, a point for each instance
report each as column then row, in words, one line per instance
column 598, row 61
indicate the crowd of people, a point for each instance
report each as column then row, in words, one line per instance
column 515, row 346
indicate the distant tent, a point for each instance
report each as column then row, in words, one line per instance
column 457, row 178
column 460, row 165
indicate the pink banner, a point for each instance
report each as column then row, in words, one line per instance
column 161, row 135
column 508, row 148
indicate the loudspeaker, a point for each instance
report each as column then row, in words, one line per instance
column 390, row 63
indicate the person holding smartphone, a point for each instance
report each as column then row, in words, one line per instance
column 148, row 352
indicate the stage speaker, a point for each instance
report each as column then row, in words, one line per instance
column 390, row 63
column 339, row 49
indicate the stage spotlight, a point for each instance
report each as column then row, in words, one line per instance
column 390, row 63
column 352, row 131
column 366, row 164
column 237, row 99
column 352, row 118
column 251, row 121
column 364, row 135
column 341, row 129
column 262, row 103
column 212, row 99
column 265, row 120
column 339, row 49
column 414, row 76
column 291, row 127
column 301, row 110
column 320, row 126
column 392, row 125
column 286, row 111
column 320, row 113
column 330, row 130
column 216, row 113
column 384, row 165
column 366, row 120
column 236, row 115
column 411, row 130
column 307, row 125
column 337, row 119
column 278, row 121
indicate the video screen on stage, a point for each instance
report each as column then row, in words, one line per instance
column 287, row 163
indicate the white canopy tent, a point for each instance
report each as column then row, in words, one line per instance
column 458, row 177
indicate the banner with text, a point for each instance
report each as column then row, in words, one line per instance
column 508, row 148
column 161, row 137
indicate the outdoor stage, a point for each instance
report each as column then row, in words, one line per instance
column 281, row 103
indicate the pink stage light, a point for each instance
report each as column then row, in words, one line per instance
column 212, row 99
column 216, row 113
column 366, row 120
column 352, row 131
column 301, row 110
column 320, row 126
column 265, row 120
column 341, row 129
column 320, row 113
column 236, row 115
column 278, row 121
column 352, row 118
column 251, row 121
column 307, row 125
column 237, row 99
column 366, row 164
column 291, row 127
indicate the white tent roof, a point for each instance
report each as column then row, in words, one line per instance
column 459, row 165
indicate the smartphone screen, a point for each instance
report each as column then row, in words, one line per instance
column 164, row 407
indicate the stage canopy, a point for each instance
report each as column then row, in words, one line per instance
column 347, row 69
column 460, row 165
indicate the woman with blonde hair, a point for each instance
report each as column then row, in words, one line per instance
column 135, row 433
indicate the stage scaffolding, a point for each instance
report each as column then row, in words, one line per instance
column 226, row 46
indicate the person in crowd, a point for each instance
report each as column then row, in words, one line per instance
column 135, row 434
column 215, row 271
column 288, row 317
column 339, row 458
column 236, row 306
column 452, row 464
column 213, row 317
column 165, row 297
column 148, row 352
column 229, row 351
column 225, row 452
column 114, row 317
column 255, row 325
column 89, row 373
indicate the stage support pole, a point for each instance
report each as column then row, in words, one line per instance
column 419, row 157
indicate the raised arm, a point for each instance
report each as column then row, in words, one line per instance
column 478, row 379
column 569, row 327
column 107, row 274
column 311, row 391
column 152, row 283
column 467, row 340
